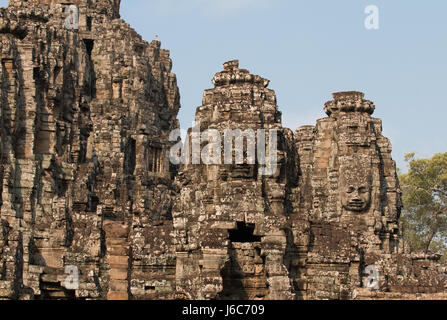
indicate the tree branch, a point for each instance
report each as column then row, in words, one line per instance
column 439, row 190
column 433, row 231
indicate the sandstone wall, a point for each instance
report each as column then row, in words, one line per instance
column 314, row 229
column 85, row 116
column 350, row 192
column 218, row 200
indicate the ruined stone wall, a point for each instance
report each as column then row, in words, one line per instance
column 314, row 228
column 353, row 184
column 87, row 183
column 351, row 194
column 85, row 116
column 223, row 208
column 111, row 8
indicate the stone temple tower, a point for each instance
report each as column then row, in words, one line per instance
column 229, row 219
column 324, row 225
column 351, row 192
column 86, row 110
column 92, row 205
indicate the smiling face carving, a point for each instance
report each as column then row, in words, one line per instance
column 355, row 188
column 356, row 198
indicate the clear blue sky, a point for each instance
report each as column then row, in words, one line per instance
column 309, row 49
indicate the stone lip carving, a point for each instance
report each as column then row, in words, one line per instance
column 349, row 101
column 233, row 75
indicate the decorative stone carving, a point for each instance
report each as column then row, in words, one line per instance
column 78, row 108
column 86, row 183
column 355, row 186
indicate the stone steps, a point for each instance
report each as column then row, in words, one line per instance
column 118, row 259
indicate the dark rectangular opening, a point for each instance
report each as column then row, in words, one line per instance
column 89, row 23
column 149, row 289
column 36, row 74
column 130, row 157
column 93, row 202
column 244, row 233
column 89, row 44
column 109, row 213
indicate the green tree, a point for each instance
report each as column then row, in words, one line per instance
column 424, row 190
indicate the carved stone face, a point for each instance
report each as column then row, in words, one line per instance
column 355, row 189
column 356, row 197
column 354, row 131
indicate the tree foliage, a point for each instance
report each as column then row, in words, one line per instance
column 424, row 190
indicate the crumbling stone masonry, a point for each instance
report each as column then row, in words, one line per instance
column 229, row 220
column 85, row 119
column 350, row 196
column 92, row 208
